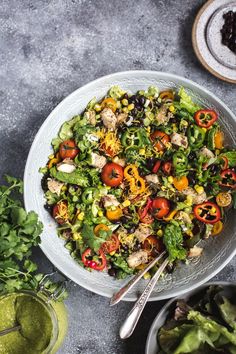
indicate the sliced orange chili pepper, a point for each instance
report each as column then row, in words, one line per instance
column 115, row 214
column 219, row 140
column 166, row 95
column 217, row 228
column 100, row 227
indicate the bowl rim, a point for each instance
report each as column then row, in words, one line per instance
column 154, row 326
column 116, row 75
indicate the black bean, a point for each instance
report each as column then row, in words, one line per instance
column 44, row 182
column 125, row 247
column 112, row 272
column 131, row 230
column 136, row 247
column 48, row 208
column 142, row 100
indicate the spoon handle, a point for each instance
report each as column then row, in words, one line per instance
column 123, row 291
column 132, row 319
column 9, row 330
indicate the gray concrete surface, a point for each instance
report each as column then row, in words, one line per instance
column 48, row 48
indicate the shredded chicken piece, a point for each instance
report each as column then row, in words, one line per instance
column 152, row 178
column 196, row 198
column 137, row 258
column 179, row 140
column 109, row 118
column 98, row 161
column 142, row 232
column 91, row 117
column 206, row 152
column 110, row 200
column 67, row 166
column 54, row 186
column 195, row 251
column 121, row 118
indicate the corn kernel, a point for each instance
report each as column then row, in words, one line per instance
column 204, row 129
column 199, row 189
column 125, row 102
column 172, row 108
column 160, row 233
column 80, row 216
column 125, row 110
column 98, row 107
column 76, row 236
column 189, row 233
column 147, row 275
column 189, row 200
column 130, row 106
column 64, row 188
column 170, row 179
column 217, row 151
column 142, row 152
column 126, row 203
column 112, row 253
column 100, row 213
column 50, row 156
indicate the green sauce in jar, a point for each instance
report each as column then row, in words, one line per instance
column 38, row 320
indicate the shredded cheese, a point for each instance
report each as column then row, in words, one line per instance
column 109, row 142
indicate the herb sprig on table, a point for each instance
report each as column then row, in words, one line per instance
column 19, row 233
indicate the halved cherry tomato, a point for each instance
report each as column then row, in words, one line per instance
column 224, row 199
column 109, row 103
column 100, row 227
column 228, row 178
column 180, row 183
column 112, row 174
column 166, row 95
column 167, row 167
column 153, row 245
column 205, row 118
column 144, row 215
column 114, row 215
column 219, row 139
column 217, row 228
column 111, row 245
column 60, row 212
column 87, row 259
column 68, row 149
column 207, row 212
column 160, row 139
column 160, row 207
column 156, row 166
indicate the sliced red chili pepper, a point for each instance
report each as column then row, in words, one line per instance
column 144, row 216
column 228, row 178
column 87, row 259
column 225, row 164
column 205, row 117
column 207, row 212
column 156, row 166
column 167, row 167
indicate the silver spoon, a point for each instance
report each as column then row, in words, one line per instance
column 123, row 291
column 132, row 319
column 9, row 330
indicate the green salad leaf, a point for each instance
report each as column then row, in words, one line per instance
column 76, row 177
column 231, row 156
column 93, row 241
column 187, row 102
column 173, row 240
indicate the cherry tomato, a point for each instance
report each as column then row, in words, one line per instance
column 60, row 212
column 111, row 245
column 109, row 102
column 87, row 259
column 205, row 118
column 144, row 215
column 160, row 139
column 228, row 178
column 68, row 149
column 207, row 212
column 156, row 166
column 180, row 183
column 112, row 174
column 160, row 207
column 153, row 245
column 167, row 167
column 217, row 228
column 224, row 199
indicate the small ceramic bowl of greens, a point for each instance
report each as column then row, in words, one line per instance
column 201, row 321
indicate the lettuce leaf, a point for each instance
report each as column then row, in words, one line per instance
column 187, row 102
column 77, row 177
column 231, row 156
column 173, row 240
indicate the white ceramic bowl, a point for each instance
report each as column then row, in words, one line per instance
column 217, row 252
column 152, row 346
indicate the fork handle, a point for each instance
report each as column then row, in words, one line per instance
column 132, row 318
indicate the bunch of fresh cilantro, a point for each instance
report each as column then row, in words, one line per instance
column 19, row 233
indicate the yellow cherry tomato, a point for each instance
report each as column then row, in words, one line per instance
column 217, row 228
column 115, row 214
column 109, row 103
column 219, row 140
column 180, row 183
column 224, row 199
column 100, row 227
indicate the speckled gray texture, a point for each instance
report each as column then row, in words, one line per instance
column 50, row 48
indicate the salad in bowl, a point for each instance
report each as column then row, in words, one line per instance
column 136, row 174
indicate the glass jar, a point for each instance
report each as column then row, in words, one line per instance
column 56, row 311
